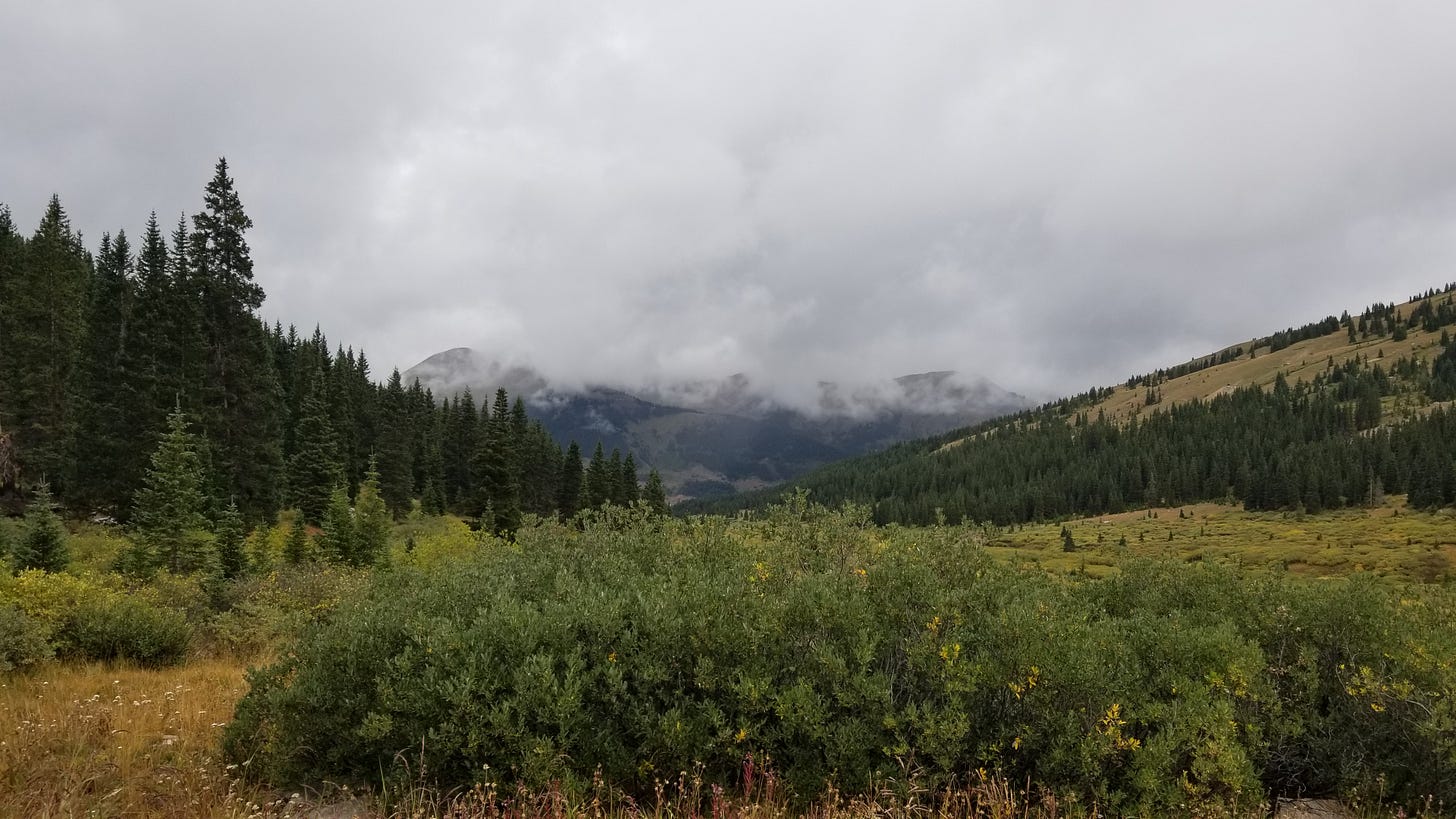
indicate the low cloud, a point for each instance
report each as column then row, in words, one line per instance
column 1046, row 196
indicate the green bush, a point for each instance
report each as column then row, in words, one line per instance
column 848, row 654
column 98, row 618
column 23, row 639
column 126, row 628
column 261, row 611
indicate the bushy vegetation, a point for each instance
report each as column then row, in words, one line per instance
column 96, row 618
column 635, row 649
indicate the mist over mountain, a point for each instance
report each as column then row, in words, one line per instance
column 717, row 436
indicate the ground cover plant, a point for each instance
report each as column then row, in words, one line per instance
column 630, row 650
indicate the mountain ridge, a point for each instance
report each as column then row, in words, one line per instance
column 710, row 437
column 1328, row 415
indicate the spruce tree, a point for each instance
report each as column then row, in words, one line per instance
column 228, row 537
column 655, row 495
column 241, row 400
column 616, row 486
column 339, row 539
column 462, row 442
column 541, row 461
column 598, row 483
column 569, row 489
column 183, row 366
column 151, row 385
column 314, row 469
column 43, row 545
column 629, row 490
column 296, row 549
column 372, row 522
column 169, row 526
column 495, row 470
column 42, row 328
column 105, row 429
column 394, row 463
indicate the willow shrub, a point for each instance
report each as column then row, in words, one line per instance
column 96, row 617
column 848, row 654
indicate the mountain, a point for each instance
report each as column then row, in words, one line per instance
column 1337, row 413
column 710, row 437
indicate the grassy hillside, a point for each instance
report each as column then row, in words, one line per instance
column 1301, row 361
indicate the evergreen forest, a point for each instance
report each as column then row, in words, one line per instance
column 1357, row 430
column 154, row 348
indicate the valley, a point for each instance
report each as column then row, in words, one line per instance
column 265, row 582
column 715, row 438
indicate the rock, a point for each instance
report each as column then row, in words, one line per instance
column 1312, row 809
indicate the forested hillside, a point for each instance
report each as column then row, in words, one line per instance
column 1365, row 413
column 99, row 349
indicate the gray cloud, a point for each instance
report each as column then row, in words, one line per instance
column 1051, row 195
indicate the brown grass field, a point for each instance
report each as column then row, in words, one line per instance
column 98, row 740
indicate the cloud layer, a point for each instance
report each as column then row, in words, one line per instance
column 1050, row 195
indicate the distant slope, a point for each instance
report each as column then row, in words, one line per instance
column 1313, row 419
column 711, row 438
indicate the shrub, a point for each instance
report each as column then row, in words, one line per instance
column 95, row 618
column 639, row 648
column 126, row 628
column 23, row 639
column 259, row 612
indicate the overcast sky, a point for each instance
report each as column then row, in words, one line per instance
column 1054, row 195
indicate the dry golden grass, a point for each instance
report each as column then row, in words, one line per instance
column 1299, row 362
column 1390, row 540
column 94, row 740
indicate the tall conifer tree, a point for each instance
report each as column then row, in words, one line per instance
column 106, row 431
column 654, row 494
column 241, row 399
column 314, row 470
column 569, row 489
column 43, row 308
column 394, row 448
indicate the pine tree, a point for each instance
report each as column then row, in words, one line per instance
column 241, row 400
column 339, row 539
column 495, row 470
column 314, row 469
column 42, row 328
column 150, row 386
column 105, row 431
column 297, row 548
column 43, row 545
column 394, row 462
column 598, row 482
column 616, row 487
column 430, row 461
column 184, row 349
column 569, row 489
column 228, row 537
column 541, row 461
column 462, row 442
column 629, row 491
column 169, row 526
column 654, row 494
column 372, row 522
